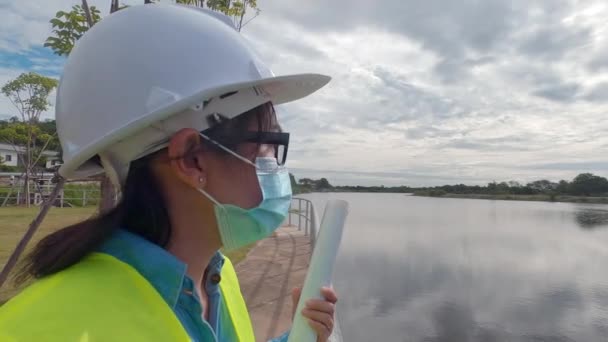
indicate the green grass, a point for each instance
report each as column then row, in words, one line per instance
column 14, row 221
column 74, row 194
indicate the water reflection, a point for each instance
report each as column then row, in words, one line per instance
column 434, row 270
column 590, row 218
column 435, row 303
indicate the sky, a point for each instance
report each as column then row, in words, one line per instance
column 422, row 92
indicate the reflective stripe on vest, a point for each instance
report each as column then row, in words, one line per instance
column 104, row 299
column 233, row 299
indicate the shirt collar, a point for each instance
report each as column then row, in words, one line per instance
column 162, row 269
column 213, row 273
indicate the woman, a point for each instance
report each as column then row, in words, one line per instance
column 177, row 110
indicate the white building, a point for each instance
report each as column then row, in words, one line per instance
column 52, row 159
column 10, row 156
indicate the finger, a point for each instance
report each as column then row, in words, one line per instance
column 329, row 294
column 320, row 329
column 321, row 305
column 322, row 317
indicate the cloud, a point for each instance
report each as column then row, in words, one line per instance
column 600, row 61
column 399, row 100
column 561, row 93
column 440, row 26
column 422, row 93
column 552, row 42
column 502, row 144
column 598, row 93
column 575, row 166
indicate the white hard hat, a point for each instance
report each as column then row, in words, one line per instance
column 145, row 72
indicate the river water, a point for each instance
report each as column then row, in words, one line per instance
column 431, row 269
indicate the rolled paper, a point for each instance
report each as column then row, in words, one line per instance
column 321, row 266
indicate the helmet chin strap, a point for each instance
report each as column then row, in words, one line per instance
column 111, row 173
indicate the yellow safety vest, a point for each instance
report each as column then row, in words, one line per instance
column 104, row 299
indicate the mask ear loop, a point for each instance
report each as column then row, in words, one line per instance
column 227, row 150
column 255, row 165
column 238, row 157
column 206, row 194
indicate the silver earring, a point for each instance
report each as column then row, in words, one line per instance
column 200, row 179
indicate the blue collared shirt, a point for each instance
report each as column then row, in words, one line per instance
column 168, row 276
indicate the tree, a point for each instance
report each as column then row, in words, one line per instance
column 16, row 135
column 588, row 184
column 307, row 182
column 492, row 187
column 234, row 9
column 514, row 184
column 542, row 185
column 68, row 27
column 29, row 93
column 294, row 183
column 50, row 127
column 323, row 184
column 502, row 188
column 563, row 187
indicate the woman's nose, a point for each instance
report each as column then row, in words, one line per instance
column 266, row 151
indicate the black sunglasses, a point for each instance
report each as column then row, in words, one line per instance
column 279, row 140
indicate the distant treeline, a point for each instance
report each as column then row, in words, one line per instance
column 304, row 185
column 585, row 184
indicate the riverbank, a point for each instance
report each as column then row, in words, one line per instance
column 509, row 197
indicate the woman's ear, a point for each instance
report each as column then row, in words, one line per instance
column 185, row 155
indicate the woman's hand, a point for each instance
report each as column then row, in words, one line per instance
column 320, row 313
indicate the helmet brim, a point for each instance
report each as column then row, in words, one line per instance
column 278, row 90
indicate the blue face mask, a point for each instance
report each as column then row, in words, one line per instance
column 239, row 227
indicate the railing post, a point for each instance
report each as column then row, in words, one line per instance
column 309, row 215
column 299, row 213
column 307, row 226
column 313, row 229
column 305, row 220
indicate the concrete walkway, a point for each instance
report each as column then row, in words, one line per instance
column 268, row 274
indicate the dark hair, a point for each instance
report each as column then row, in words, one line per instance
column 142, row 209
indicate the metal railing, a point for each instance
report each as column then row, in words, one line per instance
column 10, row 196
column 304, row 212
